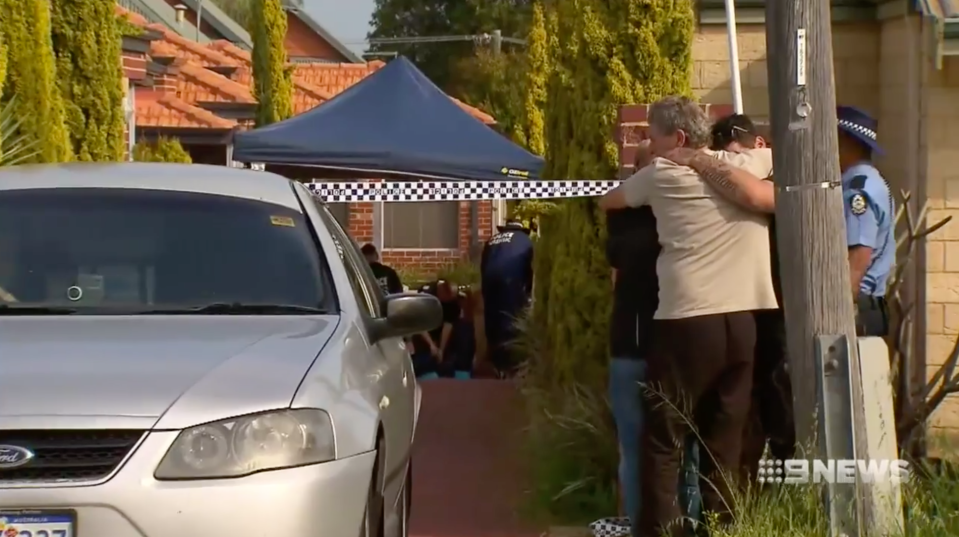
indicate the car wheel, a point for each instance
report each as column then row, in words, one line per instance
column 373, row 520
column 407, row 499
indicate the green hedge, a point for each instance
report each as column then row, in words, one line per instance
column 162, row 150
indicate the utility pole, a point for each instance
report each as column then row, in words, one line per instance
column 820, row 316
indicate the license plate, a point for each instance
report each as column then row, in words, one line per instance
column 30, row 523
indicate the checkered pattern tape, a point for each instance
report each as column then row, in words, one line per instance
column 611, row 527
column 867, row 132
column 458, row 190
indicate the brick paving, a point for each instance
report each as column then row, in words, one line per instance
column 468, row 478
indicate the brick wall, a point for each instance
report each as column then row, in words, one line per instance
column 302, row 41
column 855, row 52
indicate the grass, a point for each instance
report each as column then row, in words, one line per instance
column 573, row 455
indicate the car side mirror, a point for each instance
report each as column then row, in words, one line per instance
column 408, row 314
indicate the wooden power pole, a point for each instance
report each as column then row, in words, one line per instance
column 820, row 315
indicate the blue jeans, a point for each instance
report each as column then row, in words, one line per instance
column 626, row 398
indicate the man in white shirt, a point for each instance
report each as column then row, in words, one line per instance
column 714, row 272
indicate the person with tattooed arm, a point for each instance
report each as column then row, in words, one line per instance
column 870, row 210
column 714, row 273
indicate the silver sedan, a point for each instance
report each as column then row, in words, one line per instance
column 196, row 351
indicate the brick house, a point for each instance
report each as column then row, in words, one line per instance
column 198, row 90
column 899, row 61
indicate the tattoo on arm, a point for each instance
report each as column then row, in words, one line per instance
column 717, row 172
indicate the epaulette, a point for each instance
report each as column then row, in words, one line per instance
column 858, row 182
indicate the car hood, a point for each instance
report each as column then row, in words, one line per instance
column 185, row 370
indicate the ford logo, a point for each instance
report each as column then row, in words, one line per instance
column 14, row 456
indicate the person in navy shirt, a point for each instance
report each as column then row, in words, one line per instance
column 869, row 208
column 506, row 271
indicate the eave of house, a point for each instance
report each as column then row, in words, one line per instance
column 159, row 12
column 754, row 11
column 221, row 22
column 295, row 8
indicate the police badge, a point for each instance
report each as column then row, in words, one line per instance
column 858, row 204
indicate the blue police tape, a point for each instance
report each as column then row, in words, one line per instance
column 407, row 191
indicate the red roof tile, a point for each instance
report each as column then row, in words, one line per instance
column 318, row 82
column 197, row 84
column 133, row 18
column 177, row 46
column 170, row 111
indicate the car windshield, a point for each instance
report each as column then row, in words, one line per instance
column 97, row 250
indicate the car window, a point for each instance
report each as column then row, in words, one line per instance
column 105, row 248
column 367, row 291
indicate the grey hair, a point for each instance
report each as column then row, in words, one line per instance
column 681, row 114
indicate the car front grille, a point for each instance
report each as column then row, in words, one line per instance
column 68, row 455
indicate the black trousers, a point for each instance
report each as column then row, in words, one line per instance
column 872, row 316
column 771, row 412
column 700, row 375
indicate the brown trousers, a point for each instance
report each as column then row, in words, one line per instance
column 771, row 414
column 700, row 376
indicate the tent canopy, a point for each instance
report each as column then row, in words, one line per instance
column 393, row 121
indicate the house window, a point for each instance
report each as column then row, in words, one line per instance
column 428, row 225
column 340, row 211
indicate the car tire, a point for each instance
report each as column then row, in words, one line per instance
column 373, row 518
column 408, row 493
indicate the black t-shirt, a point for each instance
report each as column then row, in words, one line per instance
column 774, row 260
column 451, row 314
column 388, row 279
column 632, row 249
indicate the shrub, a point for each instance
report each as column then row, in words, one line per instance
column 163, row 150
column 32, row 77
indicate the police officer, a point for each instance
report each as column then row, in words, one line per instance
column 870, row 215
column 506, row 271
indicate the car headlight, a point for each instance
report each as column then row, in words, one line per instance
column 249, row 444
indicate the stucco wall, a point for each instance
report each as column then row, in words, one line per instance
column 855, row 52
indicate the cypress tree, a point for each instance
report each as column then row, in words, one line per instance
column 31, row 76
column 87, row 43
column 273, row 82
column 536, row 78
column 3, row 63
column 601, row 54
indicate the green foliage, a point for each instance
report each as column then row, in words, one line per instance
column 127, row 28
column 32, row 77
column 441, row 62
column 273, row 78
column 537, row 62
column 15, row 146
column 3, row 63
column 162, row 150
column 86, row 40
column 592, row 56
column 493, row 83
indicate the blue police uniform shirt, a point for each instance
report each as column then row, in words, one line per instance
column 508, row 258
column 870, row 215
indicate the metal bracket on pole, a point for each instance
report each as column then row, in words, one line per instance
column 837, row 434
